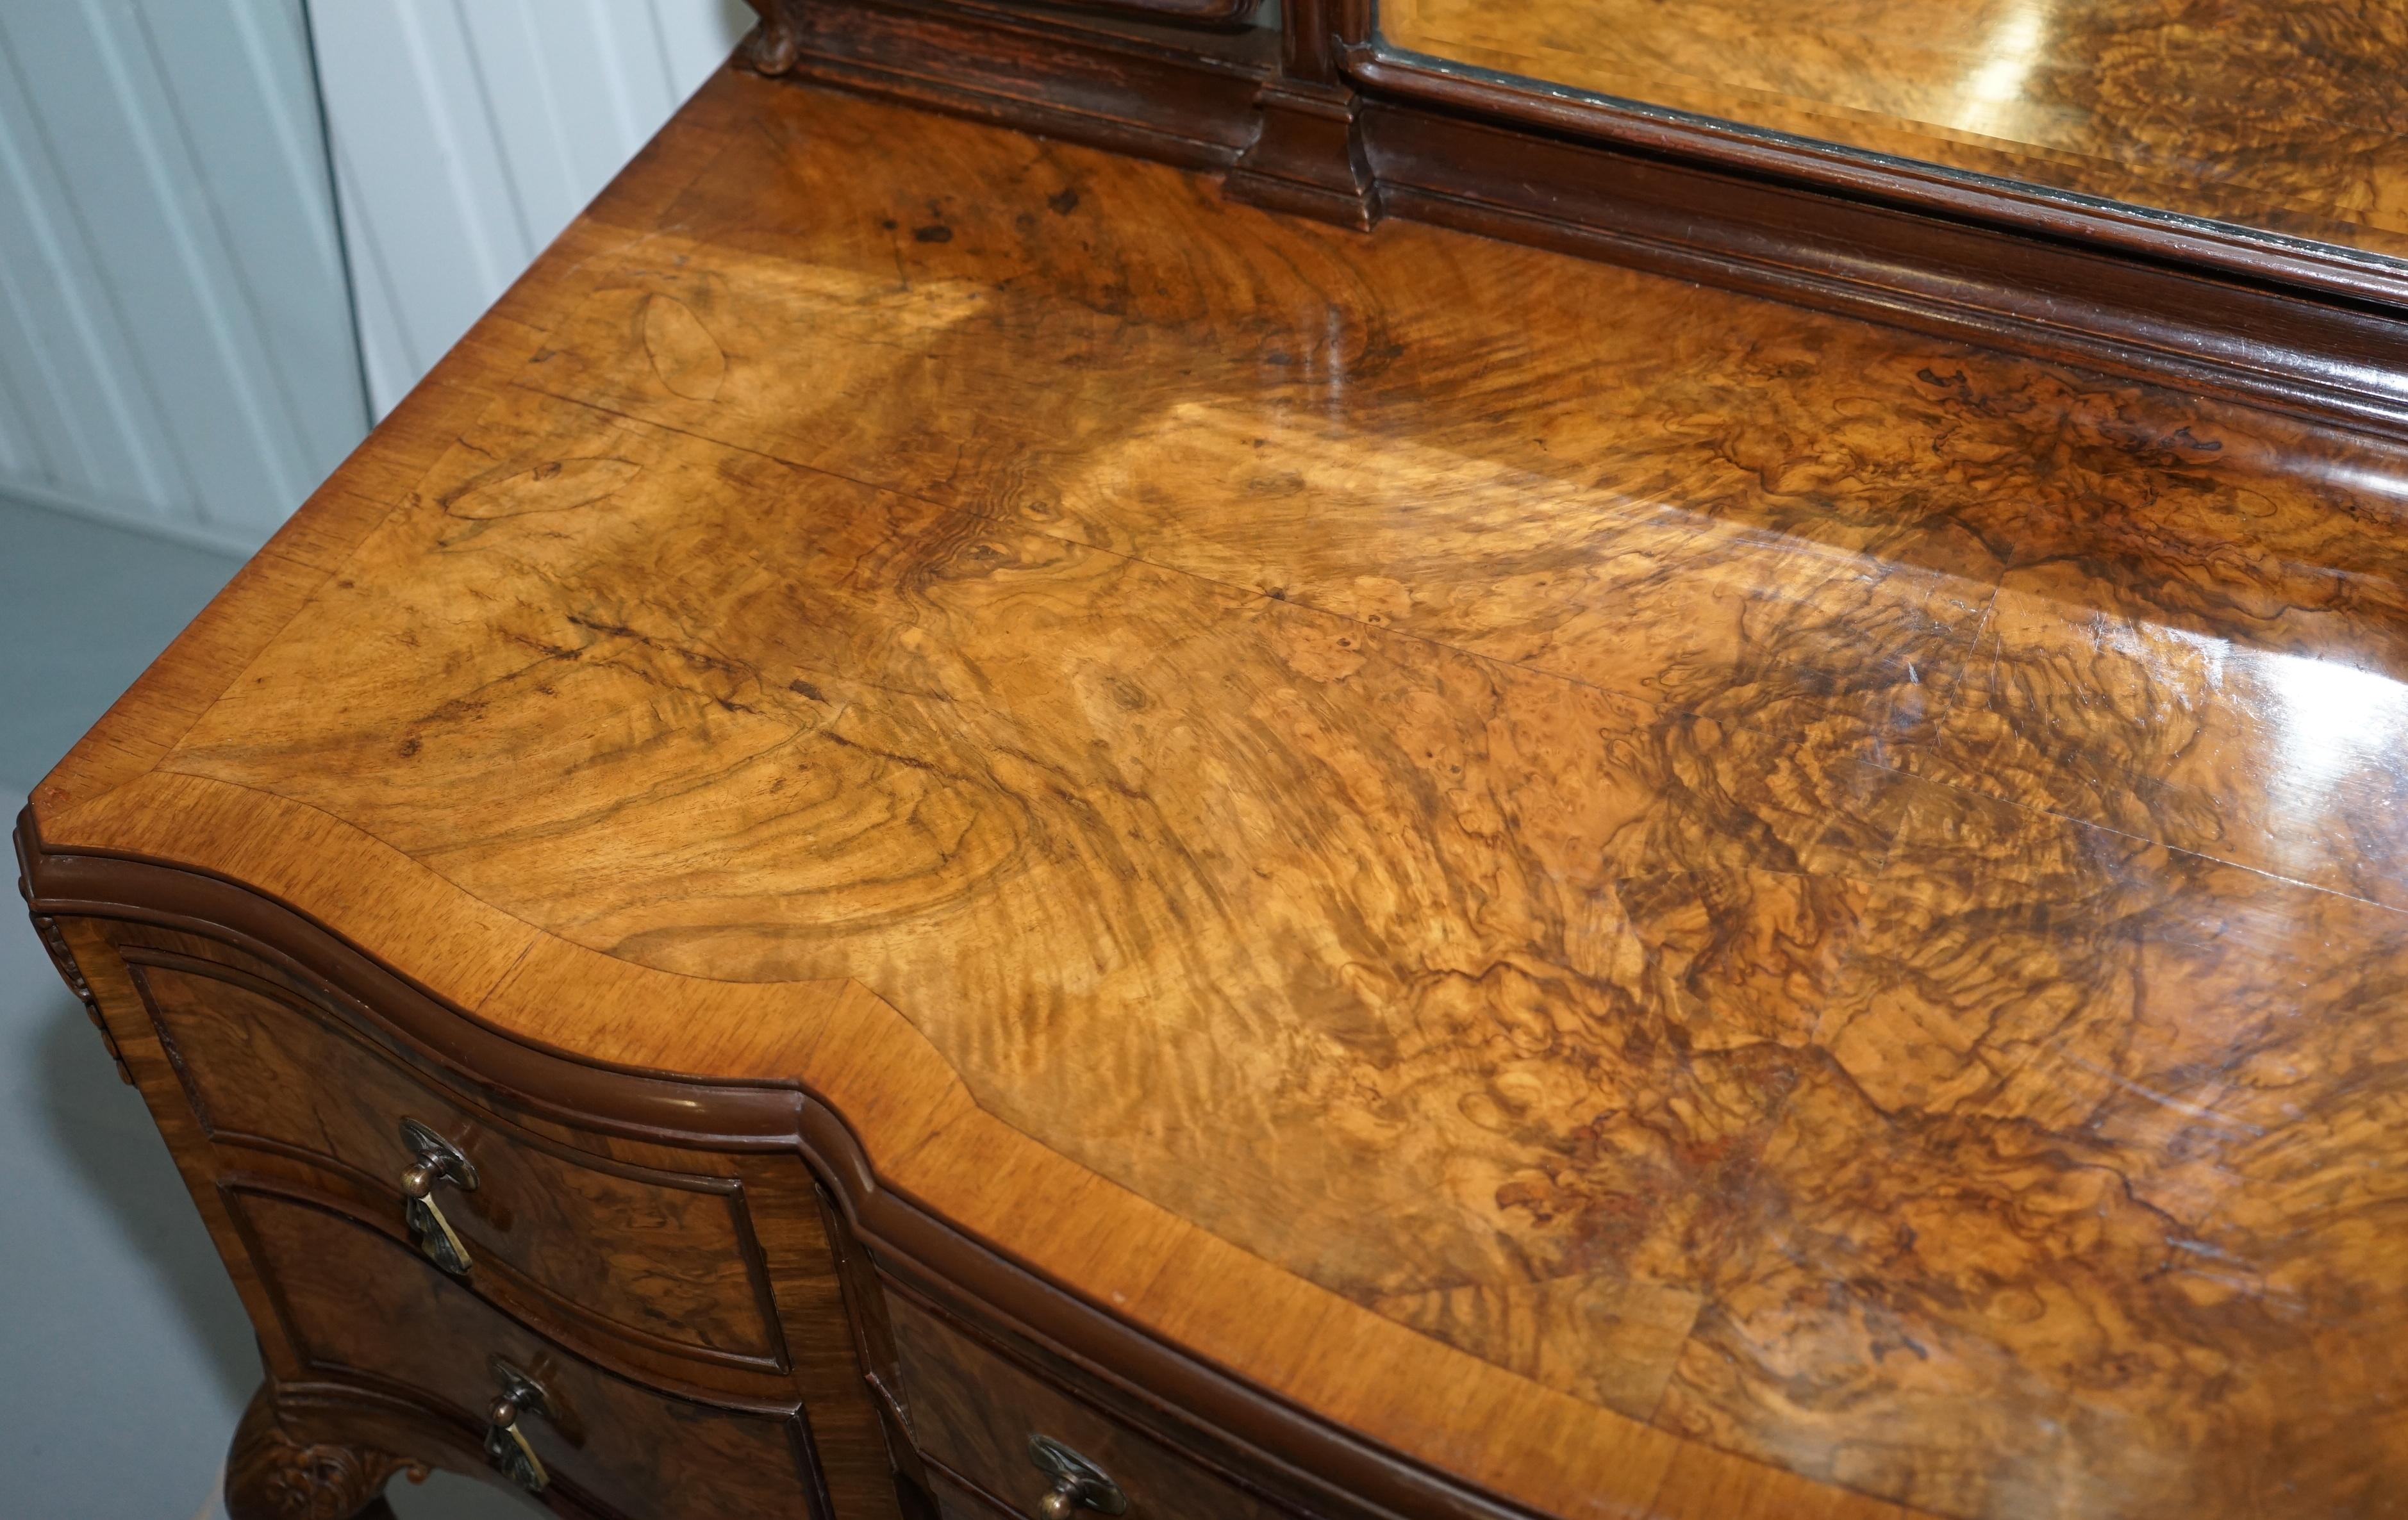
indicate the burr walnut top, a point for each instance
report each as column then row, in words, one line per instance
column 1663, row 903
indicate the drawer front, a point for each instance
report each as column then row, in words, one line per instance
column 356, row 1304
column 665, row 1258
column 973, row 1413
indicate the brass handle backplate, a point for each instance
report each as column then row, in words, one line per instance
column 1078, row 1484
column 438, row 1161
column 506, row 1443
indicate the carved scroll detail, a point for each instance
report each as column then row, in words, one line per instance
column 273, row 1475
column 54, row 940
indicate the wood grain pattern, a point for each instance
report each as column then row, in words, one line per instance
column 665, row 1258
column 858, row 1456
column 273, row 1474
column 1648, row 899
column 1333, row 125
column 2284, row 115
column 365, row 1414
column 973, row 1412
column 611, row 1446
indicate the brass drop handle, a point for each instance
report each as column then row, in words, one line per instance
column 506, row 1443
column 1078, row 1484
column 438, row 1161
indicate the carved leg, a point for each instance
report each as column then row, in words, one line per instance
column 274, row 1473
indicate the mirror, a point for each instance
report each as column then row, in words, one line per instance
column 2287, row 117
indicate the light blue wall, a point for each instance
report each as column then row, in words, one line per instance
column 176, row 343
column 494, row 121
column 177, row 346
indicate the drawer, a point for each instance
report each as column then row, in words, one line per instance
column 973, row 1414
column 357, row 1304
column 663, row 1257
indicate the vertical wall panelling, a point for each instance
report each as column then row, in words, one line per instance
column 176, row 345
column 177, row 341
column 468, row 132
column 70, row 365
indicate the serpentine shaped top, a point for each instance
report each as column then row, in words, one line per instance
column 1679, row 875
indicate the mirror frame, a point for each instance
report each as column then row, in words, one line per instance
column 1323, row 118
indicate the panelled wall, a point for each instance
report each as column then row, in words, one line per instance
column 493, row 122
column 175, row 349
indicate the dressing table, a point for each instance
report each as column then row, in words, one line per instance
column 1215, row 764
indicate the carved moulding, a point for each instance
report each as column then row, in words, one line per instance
column 273, row 1474
column 1332, row 123
column 1218, row 1420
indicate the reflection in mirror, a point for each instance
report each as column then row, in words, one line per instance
column 2287, row 116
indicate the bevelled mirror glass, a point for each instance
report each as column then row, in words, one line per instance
column 2284, row 117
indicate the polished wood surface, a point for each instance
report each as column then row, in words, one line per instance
column 273, row 1474
column 378, row 1365
column 974, row 1412
column 2289, row 116
column 609, row 1445
column 1330, row 124
column 651, row 1253
column 1657, row 902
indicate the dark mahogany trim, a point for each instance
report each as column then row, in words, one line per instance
column 1184, row 97
column 1192, row 12
column 2275, row 321
column 1411, row 78
column 2056, row 301
column 1193, row 1405
column 1307, row 157
column 1324, row 122
column 1314, row 35
column 444, row 1043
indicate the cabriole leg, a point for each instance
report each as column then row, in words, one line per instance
column 277, row 1471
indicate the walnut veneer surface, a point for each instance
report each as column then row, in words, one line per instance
column 1663, row 903
column 2286, row 115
